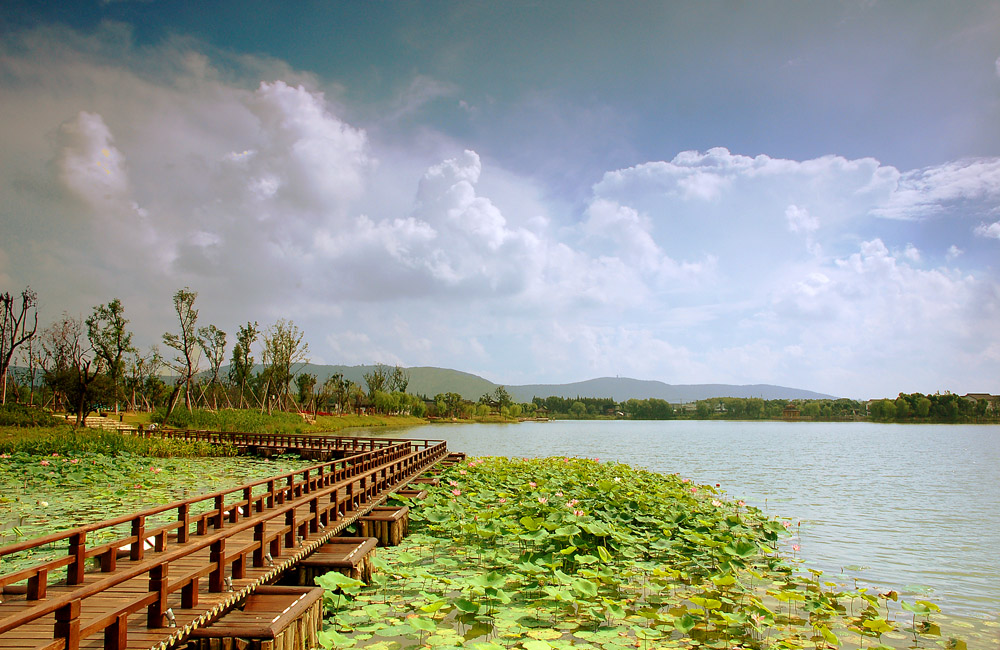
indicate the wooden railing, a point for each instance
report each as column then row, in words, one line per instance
column 277, row 440
column 337, row 492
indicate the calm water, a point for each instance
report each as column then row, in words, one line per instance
column 917, row 506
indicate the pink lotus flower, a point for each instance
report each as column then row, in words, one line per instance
column 456, row 492
column 4, row 455
column 741, row 503
column 74, row 461
column 45, row 462
column 796, row 547
column 572, row 502
column 462, row 472
column 503, row 500
column 55, row 455
column 578, row 513
column 685, row 480
column 716, row 503
column 156, row 470
column 542, row 500
column 532, row 484
column 559, row 494
column 786, row 524
column 694, row 490
column 452, row 483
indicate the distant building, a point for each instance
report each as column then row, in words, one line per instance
column 791, row 412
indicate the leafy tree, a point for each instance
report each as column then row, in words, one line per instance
column 14, row 319
column 212, row 342
column 399, row 380
column 111, row 341
column 185, row 362
column 377, row 379
column 305, row 384
column 241, row 366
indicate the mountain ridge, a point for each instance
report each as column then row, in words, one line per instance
column 430, row 381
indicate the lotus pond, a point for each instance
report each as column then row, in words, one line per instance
column 44, row 494
column 571, row 553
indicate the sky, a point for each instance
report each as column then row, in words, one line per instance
column 796, row 193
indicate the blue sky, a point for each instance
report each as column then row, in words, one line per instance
column 804, row 194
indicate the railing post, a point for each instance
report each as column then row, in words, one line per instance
column 220, row 514
column 67, row 625
column 217, row 556
column 77, row 550
column 37, row 585
column 138, row 547
column 184, row 517
column 116, row 634
column 157, row 583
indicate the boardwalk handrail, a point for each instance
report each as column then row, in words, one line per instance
column 123, row 519
column 395, row 465
column 298, row 440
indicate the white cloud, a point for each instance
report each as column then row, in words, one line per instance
column 712, row 266
column 990, row 231
column 799, row 220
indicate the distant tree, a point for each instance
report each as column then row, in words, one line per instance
column 284, row 346
column 111, row 341
column 377, row 379
column 241, row 366
column 185, row 342
column 305, row 383
column 212, row 342
column 398, row 380
column 75, row 371
column 16, row 314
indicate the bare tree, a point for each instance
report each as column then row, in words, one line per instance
column 14, row 319
column 185, row 362
column 212, row 341
column 284, row 346
column 73, row 369
column 111, row 341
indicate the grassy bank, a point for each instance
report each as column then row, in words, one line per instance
column 251, row 421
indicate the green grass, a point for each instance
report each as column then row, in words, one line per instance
column 250, row 421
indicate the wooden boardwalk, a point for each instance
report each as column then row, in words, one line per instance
column 147, row 580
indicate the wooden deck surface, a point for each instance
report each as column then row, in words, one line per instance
column 201, row 578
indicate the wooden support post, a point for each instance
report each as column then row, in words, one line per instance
column 116, row 634
column 137, row 549
column 258, row 537
column 270, row 493
column 77, row 550
column 67, row 625
column 109, row 560
column 290, row 533
column 220, row 511
column 184, row 517
column 314, row 519
column 158, row 584
column 217, row 556
column 189, row 594
column 38, row 584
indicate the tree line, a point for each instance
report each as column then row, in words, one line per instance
column 81, row 365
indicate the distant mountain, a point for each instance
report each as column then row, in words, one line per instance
column 430, row 381
column 623, row 388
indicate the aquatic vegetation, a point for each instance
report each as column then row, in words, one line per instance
column 562, row 552
column 42, row 494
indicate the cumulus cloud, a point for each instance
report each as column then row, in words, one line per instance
column 712, row 266
column 990, row 231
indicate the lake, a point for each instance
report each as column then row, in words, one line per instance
column 914, row 508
